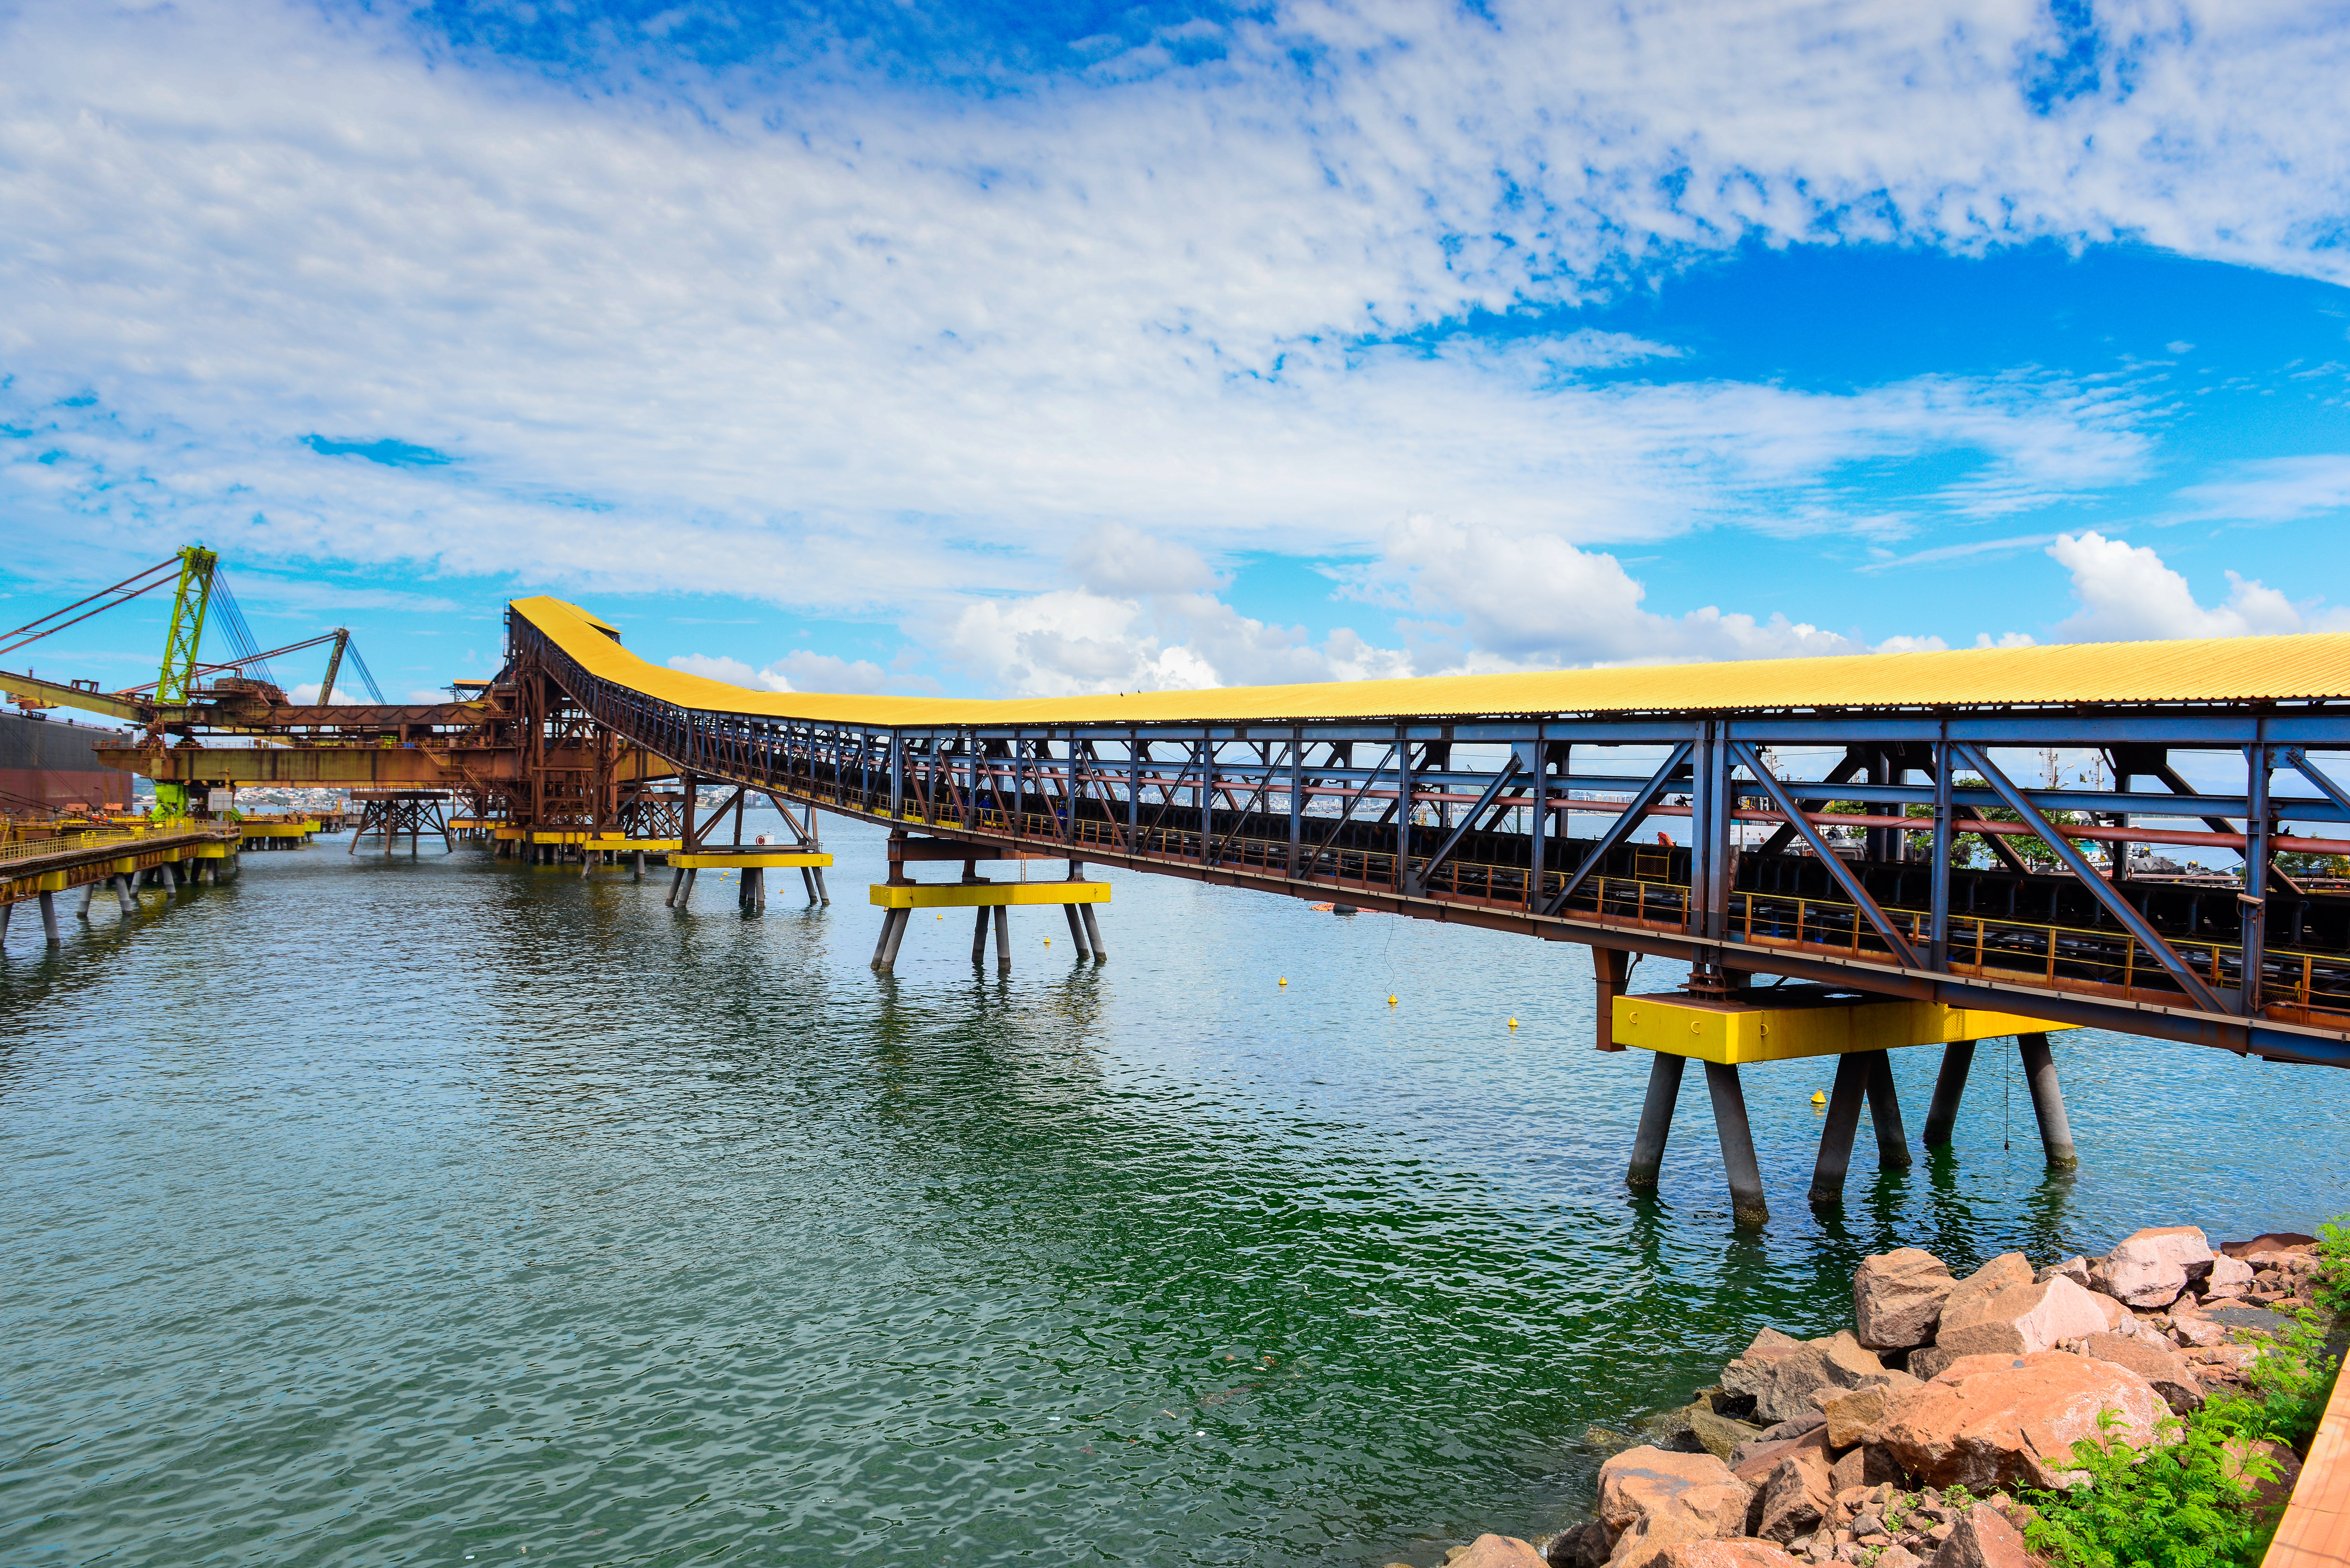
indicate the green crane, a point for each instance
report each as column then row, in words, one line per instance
column 188, row 605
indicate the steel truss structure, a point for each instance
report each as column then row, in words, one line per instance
column 1468, row 820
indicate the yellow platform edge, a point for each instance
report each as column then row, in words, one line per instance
column 722, row 860
column 977, row 895
column 1738, row 1035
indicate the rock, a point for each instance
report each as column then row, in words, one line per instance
column 1899, row 1556
column 1993, row 1420
column 1755, row 1464
column 1672, row 1429
column 1983, row 1538
column 1720, row 1435
column 1497, row 1552
column 1795, row 1382
column 1794, row 1427
column 2272, row 1486
column 1651, row 1493
column 1868, row 1466
column 1897, row 1298
column 2074, row 1268
column 1750, row 1375
column 2274, row 1242
column 1851, row 1415
column 1794, row 1501
column 2165, row 1370
column 2150, row 1267
column 2019, row 1320
column 1925, row 1364
column 1585, row 1546
column 1739, row 1554
column 2230, row 1277
column 2193, row 1328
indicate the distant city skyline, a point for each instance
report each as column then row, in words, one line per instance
column 1039, row 350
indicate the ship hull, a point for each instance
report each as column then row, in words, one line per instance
column 48, row 764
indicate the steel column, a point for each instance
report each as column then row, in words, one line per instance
column 1656, row 1120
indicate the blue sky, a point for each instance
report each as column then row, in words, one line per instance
column 1047, row 348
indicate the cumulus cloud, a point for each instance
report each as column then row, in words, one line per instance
column 845, row 346
column 2126, row 592
column 1537, row 598
column 799, row 670
column 1069, row 642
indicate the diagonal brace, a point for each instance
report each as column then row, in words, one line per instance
column 1801, row 822
column 2298, row 760
column 1624, row 827
column 1469, row 817
column 2121, row 908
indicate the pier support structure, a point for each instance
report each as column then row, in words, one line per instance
column 990, row 902
column 1736, row 1027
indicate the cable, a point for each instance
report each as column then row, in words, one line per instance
column 240, row 635
column 351, row 652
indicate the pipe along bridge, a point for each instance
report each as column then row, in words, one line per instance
column 1864, row 832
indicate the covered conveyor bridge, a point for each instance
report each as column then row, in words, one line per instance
column 1815, row 808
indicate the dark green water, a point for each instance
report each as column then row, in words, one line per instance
column 436, row 1210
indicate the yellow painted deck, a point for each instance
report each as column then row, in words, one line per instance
column 730, row 860
column 1735, row 1032
column 2315, row 1529
column 986, row 895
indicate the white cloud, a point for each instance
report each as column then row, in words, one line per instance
column 1073, row 641
column 2126, row 592
column 1539, row 599
column 799, row 670
column 2276, row 490
column 842, row 347
column 1114, row 558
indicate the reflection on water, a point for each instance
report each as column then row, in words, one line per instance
column 419, row 1208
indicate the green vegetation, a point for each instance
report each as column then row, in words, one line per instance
column 2172, row 1507
column 2179, row 1505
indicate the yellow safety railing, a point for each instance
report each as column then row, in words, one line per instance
column 2056, row 956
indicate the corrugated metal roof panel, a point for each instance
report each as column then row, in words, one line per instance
column 2211, row 669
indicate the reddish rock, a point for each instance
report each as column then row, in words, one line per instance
column 1745, row 1552
column 2274, row 1242
column 1868, row 1466
column 1650, row 1499
column 2150, row 1267
column 1499, row 1551
column 2020, row 1319
column 2230, row 1277
column 1983, row 1538
column 1761, row 1458
column 1897, row 1298
column 1993, row 1420
column 1794, row 1501
column 2170, row 1372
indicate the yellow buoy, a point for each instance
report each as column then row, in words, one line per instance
column 1285, row 980
column 1819, row 1096
column 1513, row 1023
column 1049, row 942
column 1390, row 1002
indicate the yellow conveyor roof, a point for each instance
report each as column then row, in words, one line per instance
column 2208, row 670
